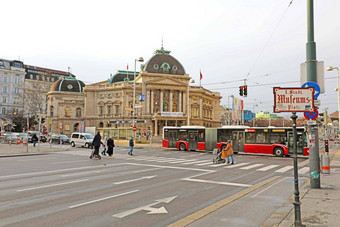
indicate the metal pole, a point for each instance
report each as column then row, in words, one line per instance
column 296, row 176
column 188, row 105
column 314, row 159
column 337, row 68
column 134, row 99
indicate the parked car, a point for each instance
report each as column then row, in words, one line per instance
column 11, row 137
column 57, row 138
column 39, row 134
column 21, row 136
column 81, row 139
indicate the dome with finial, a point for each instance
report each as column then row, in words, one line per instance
column 68, row 84
column 162, row 62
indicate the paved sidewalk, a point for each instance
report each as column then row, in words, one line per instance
column 319, row 207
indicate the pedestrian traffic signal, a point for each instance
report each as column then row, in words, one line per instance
column 241, row 90
column 326, row 146
column 245, row 90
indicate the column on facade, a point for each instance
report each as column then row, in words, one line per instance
column 170, row 100
column 151, row 101
column 161, row 102
column 201, row 108
column 180, row 109
column 147, row 103
column 156, row 127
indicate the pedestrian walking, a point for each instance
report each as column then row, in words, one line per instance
column 96, row 143
column 104, row 146
column 230, row 152
column 131, row 144
column 110, row 146
column 34, row 139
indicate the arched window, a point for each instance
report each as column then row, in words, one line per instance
column 51, row 111
column 78, row 112
column 101, row 124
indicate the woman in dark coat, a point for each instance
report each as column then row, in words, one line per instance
column 96, row 143
column 110, row 146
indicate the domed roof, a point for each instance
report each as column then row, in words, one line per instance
column 67, row 84
column 162, row 62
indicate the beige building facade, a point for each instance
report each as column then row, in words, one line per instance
column 163, row 97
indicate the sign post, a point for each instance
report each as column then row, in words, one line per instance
column 295, row 100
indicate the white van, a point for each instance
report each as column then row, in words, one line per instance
column 81, row 139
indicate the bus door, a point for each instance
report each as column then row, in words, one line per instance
column 238, row 141
column 300, row 143
column 172, row 139
column 193, row 139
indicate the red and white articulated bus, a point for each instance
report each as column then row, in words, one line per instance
column 184, row 138
column 277, row 141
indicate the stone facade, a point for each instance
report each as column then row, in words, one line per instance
column 161, row 99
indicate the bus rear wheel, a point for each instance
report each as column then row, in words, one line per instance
column 182, row 147
column 278, row 152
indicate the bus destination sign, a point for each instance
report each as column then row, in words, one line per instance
column 293, row 99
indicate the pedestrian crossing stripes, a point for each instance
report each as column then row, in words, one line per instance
column 207, row 163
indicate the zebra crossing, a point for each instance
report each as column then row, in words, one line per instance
column 208, row 164
column 197, row 161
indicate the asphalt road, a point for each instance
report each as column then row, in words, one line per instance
column 154, row 187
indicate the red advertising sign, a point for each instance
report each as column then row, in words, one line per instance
column 293, row 99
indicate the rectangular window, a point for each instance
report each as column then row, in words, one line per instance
column 16, row 90
column 4, row 99
column 101, row 110
column 250, row 137
column 4, row 89
column 5, row 79
column 31, row 76
column 37, row 77
column 3, row 110
column 109, row 110
column 262, row 137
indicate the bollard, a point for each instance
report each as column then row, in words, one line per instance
column 325, row 164
column 24, row 141
column 18, row 141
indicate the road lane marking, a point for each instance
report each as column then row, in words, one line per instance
column 284, row 169
column 55, row 163
column 51, row 185
column 102, row 199
column 204, row 164
column 195, row 162
column 82, row 173
column 267, row 168
column 34, row 159
column 303, row 170
column 58, row 171
column 268, row 187
column 251, row 166
column 217, row 182
column 236, row 165
column 205, row 211
column 137, row 179
column 145, row 170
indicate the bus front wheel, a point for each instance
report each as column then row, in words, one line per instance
column 278, row 152
column 182, row 147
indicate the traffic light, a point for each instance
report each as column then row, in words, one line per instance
column 326, row 146
column 245, row 90
column 241, row 90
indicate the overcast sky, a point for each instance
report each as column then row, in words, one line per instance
column 263, row 41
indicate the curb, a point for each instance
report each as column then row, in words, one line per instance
column 18, row 155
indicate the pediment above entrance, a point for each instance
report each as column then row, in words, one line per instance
column 167, row 82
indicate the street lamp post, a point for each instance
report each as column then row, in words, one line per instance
column 134, row 93
column 330, row 68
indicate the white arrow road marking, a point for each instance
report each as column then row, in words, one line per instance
column 152, row 210
column 149, row 208
column 137, row 179
column 98, row 200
